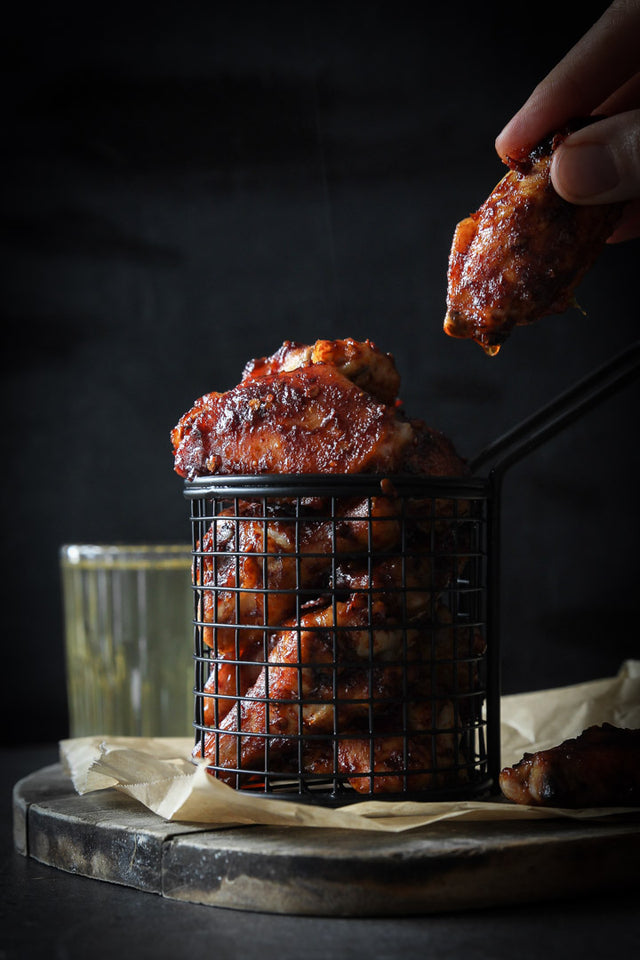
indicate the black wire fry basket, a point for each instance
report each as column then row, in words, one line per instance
column 347, row 627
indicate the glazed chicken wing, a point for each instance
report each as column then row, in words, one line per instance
column 330, row 408
column 294, row 692
column 308, row 420
column 319, row 681
column 601, row 767
column 251, row 549
column 423, row 758
column 522, row 254
column 358, row 361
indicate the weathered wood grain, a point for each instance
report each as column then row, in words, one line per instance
column 453, row 865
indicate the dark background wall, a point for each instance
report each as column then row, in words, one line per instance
column 184, row 187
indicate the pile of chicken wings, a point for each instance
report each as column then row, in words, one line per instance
column 332, row 646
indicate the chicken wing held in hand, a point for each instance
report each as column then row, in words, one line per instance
column 521, row 255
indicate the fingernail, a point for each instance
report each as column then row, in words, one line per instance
column 585, row 170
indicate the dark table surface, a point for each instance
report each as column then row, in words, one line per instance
column 46, row 912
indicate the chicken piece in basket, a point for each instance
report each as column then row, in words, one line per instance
column 342, row 669
column 254, row 548
column 425, row 758
column 358, row 361
column 521, row 255
column 294, row 691
column 327, row 409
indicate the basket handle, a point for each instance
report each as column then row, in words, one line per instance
column 530, row 433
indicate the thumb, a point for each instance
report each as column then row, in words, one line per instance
column 601, row 162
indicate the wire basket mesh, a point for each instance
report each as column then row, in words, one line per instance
column 341, row 629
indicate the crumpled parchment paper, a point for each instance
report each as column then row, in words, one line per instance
column 160, row 774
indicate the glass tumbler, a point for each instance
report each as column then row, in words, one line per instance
column 128, row 639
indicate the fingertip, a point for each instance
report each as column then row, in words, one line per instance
column 584, row 172
column 501, row 143
column 506, row 143
column 557, row 174
column 534, row 121
column 514, row 142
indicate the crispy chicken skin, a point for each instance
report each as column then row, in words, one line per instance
column 308, row 420
column 359, row 361
column 521, row 255
column 327, row 409
column 601, row 767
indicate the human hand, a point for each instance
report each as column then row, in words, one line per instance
column 600, row 75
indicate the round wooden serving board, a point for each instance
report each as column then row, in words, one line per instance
column 453, row 865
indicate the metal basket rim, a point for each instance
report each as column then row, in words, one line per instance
column 311, row 484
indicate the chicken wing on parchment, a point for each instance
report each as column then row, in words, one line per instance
column 601, row 767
